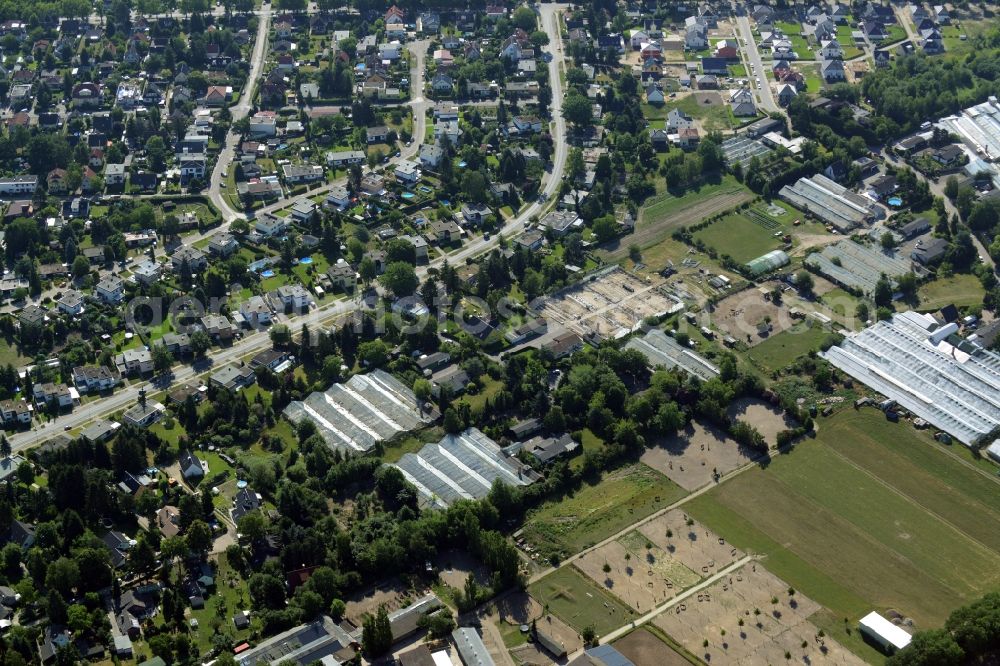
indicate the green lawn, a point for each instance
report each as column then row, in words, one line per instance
column 739, row 237
column 780, row 350
column 596, row 512
column 959, row 289
column 579, row 602
column 713, row 116
column 867, row 516
column 799, row 43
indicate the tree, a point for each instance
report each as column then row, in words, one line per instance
column 605, row 228
column 929, row 648
column 337, row 610
column 62, row 576
column 156, row 150
column 376, row 633
column 199, row 537
column 577, row 109
column 81, row 267
column 367, row 270
column 453, row 422
column 888, row 241
column 883, row 292
column 525, row 19
column 399, row 278
column 200, row 343
column 804, row 281
column 280, row 335
column 162, row 358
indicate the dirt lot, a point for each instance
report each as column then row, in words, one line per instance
column 391, row 593
column 648, row 568
column 454, row 567
column 740, row 315
column 768, row 420
column 521, row 608
column 606, row 306
column 780, row 627
column 688, row 458
column 644, row 649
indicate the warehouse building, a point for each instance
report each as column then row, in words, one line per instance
column 367, row 410
column 832, row 203
column 884, row 633
column 462, row 466
column 855, row 266
column 928, row 370
column 661, row 349
column 740, row 149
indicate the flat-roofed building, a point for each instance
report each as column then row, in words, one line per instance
column 832, row 203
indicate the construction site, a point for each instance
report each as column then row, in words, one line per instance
column 609, row 304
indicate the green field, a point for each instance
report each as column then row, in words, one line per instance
column 578, row 602
column 666, row 207
column 799, row 43
column 739, row 237
column 780, row 350
column 960, row 290
column 596, row 512
column 869, row 515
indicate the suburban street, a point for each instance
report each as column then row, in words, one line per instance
column 767, row 101
column 324, row 315
column 217, row 184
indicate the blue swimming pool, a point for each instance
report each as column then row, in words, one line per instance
column 895, row 201
column 408, row 195
column 461, row 165
column 425, row 189
column 306, row 260
column 268, row 273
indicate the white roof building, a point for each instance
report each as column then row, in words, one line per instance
column 951, row 383
column 883, row 632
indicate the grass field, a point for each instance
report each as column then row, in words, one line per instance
column 739, row 237
column 595, row 512
column 780, row 350
column 799, row 43
column 579, row 602
column 867, row 516
column 958, row 289
column 667, row 207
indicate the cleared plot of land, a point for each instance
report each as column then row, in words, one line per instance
column 867, row 516
column 666, row 212
column 658, row 560
column 751, row 319
column 608, row 305
column 643, row 648
column 957, row 289
column 596, row 512
column 778, row 351
column 520, row 608
column 768, row 420
column 781, row 627
column 579, row 602
column 708, row 108
column 688, row 458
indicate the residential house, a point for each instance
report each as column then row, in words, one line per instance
column 218, row 327
column 255, row 311
column 832, row 70
column 742, row 103
column 71, row 302
column 233, row 377
column 223, row 245
column 111, row 289
column 293, row 296
column 430, row 155
column 143, row 414
column 190, row 466
column 134, row 362
column 270, row 226
column 94, row 379
column 302, row 173
column 192, row 256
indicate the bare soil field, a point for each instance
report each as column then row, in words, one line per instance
column 610, row 303
column 646, row 567
column 521, row 608
column 454, row 567
column 768, row 420
column 644, row 649
column 689, row 457
column 773, row 636
column 741, row 314
column 392, row 593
